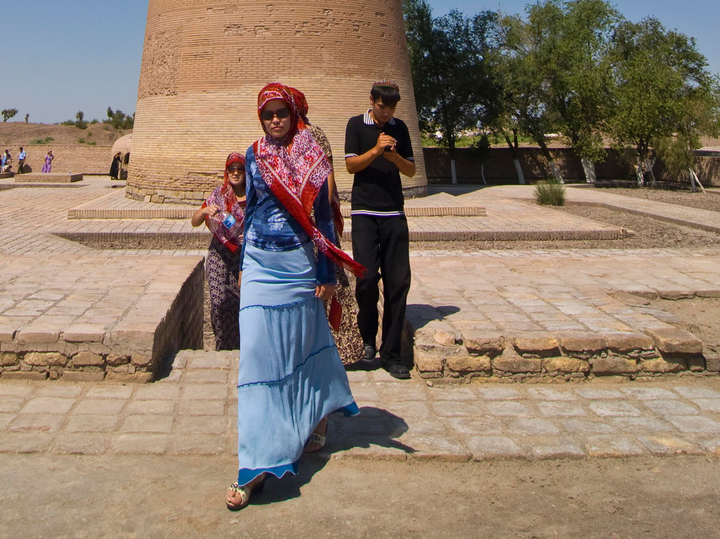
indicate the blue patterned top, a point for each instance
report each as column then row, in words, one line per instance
column 270, row 227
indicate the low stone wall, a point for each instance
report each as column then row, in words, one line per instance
column 75, row 158
column 565, row 356
column 500, row 169
column 124, row 337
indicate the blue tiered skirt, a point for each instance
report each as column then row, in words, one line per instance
column 291, row 375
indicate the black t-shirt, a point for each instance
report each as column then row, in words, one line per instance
column 378, row 187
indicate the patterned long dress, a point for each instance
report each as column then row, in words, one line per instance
column 348, row 339
column 222, row 268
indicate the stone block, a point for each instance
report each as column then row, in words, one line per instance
column 428, row 363
column 580, row 341
column 29, row 375
column 136, row 378
column 88, row 359
column 141, row 360
column 8, row 359
column 624, row 343
column 672, row 340
column 84, row 333
column 670, row 445
column 116, row 360
column 445, row 338
column 536, row 343
column 482, row 343
column 492, row 447
column 696, row 363
column 660, row 366
column 712, row 361
column 37, row 422
column 565, row 365
column 81, row 444
column 25, row 442
column 469, row 364
column 141, row 444
column 45, row 359
column 81, row 376
column 517, row 365
column 613, row 365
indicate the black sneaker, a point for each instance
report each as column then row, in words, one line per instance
column 369, row 353
column 397, row 370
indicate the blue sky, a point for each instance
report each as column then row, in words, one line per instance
column 63, row 56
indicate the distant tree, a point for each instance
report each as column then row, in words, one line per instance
column 119, row 120
column 449, row 73
column 80, row 122
column 662, row 89
column 8, row 113
column 27, row 118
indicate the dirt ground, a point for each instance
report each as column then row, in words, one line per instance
column 704, row 201
column 155, row 497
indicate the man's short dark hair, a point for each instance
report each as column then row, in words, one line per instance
column 389, row 95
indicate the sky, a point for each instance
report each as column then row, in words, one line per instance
column 63, row 56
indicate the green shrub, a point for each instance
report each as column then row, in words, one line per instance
column 550, row 193
column 92, row 143
column 81, row 141
column 46, row 140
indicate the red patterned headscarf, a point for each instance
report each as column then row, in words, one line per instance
column 301, row 103
column 294, row 169
column 224, row 198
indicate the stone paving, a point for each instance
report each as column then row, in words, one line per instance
column 194, row 411
column 577, row 305
column 66, row 309
column 440, row 217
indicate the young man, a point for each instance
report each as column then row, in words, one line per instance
column 377, row 150
column 21, row 160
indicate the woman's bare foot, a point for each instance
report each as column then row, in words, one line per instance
column 238, row 497
column 317, row 438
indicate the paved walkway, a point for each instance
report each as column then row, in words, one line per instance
column 193, row 411
column 440, row 217
column 693, row 217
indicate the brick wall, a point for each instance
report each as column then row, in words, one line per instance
column 500, row 169
column 205, row 61
column 78, row 159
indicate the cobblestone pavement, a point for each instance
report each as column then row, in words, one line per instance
column 193, row 411
column 520, row 291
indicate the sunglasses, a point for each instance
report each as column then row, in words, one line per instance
column 233, row 170
column 281, row 114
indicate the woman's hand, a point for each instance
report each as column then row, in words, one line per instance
column 199, row 217
column 325, row 291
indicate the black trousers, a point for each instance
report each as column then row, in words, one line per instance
column 382, row 245
column 21, row 164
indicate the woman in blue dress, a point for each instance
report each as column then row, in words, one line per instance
column 290, row 373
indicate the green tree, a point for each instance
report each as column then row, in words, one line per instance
column 27, row 118
column 8, row 113
column 661, row 79
column 574, row 39
column 119, row 120
column 516, row 70
column 80, row 122
column 449, row 72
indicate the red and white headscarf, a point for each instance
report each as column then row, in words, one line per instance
column 225, row 199
column 294, row 169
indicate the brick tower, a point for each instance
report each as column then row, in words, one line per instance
column 205, row 61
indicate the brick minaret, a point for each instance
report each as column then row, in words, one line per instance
column 205, row 61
